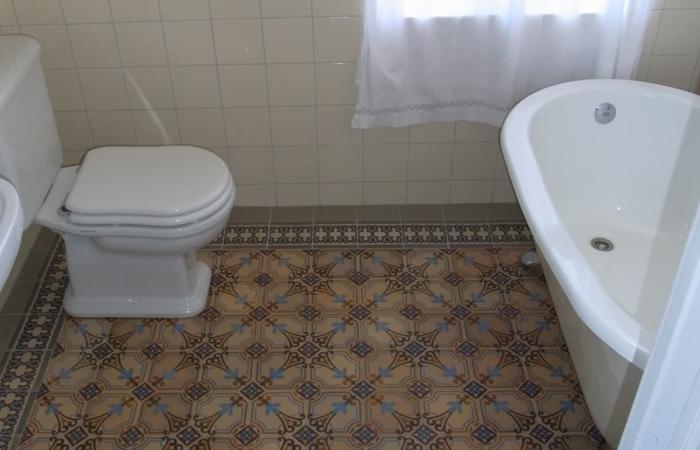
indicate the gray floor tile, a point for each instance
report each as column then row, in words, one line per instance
column 335, row 214
column 378, row 214
column 20, row 297
column 465, row 213
column 293, row 214
column 34, row 265
column 250, row 215
column 505, row 212
column 421, row 214
column 8, row 325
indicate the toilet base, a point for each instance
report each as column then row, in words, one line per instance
column 148, row 307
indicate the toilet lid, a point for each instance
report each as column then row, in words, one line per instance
column 151, row 181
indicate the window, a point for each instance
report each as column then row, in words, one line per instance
column 423, row 9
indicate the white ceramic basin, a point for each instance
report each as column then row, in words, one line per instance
column 10, row 228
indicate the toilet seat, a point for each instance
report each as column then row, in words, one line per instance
column 135, row 187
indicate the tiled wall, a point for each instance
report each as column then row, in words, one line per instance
column 269, row 85
column 672, row 45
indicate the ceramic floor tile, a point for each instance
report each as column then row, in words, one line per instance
column 330, row 348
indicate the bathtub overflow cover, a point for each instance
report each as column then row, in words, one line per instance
column 602, row 244
column 605, row 113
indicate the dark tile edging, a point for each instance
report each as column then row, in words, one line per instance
column 372, row 234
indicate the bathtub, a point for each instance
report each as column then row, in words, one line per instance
column 633, row 181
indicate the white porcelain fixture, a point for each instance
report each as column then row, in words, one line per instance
column 131, row 217
column 632, row 181
column 10, row 228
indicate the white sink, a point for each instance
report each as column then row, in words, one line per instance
column 11, row 227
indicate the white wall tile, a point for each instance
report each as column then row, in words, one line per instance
column 474, row 191
column 288, row 40
column 94, row 45
column 239, row 41
column 286, row 8
column 427, row 192
column 141, row 44
column 196, row 87
column 235, row 9
column 56, row 51
column 9, row 29
column 430, row 161
column 7, row 13
column 103, row 88
column 384, row 193
column 112, row 127
column 184, row 9
column 674, row 71
column 296, row 164
column 335, row 83
column 337, row 39
column 291, row 84
column 476, row 132
column 334, row 126
column 247, row 127
column 294, row 125
column 156, row 127
column 35, row 12
column 297, row 194
column 243, row 85
column 86, row 11
column 433, row 132
column 681, row 4
column 679, row 33
column 387, row 162
column 386, row 136
column 503, row 192
column 149, row 87
column 74, row 130
column 251, row 165
column 650, row 32
column 134, row 10
column 189, row 42
column 203, row 127
column 340, row 164
column 255, row 195
column 337, row 7
column 64, row 88
column 341, row 194
column 475, row 161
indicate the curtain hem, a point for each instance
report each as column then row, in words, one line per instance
column 367, row 118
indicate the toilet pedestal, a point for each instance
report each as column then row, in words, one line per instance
column 107, row 283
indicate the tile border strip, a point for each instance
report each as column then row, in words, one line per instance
column 330, row 235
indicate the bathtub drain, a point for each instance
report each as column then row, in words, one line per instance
column 602, row 244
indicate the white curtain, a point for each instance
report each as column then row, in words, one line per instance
column 444, row 60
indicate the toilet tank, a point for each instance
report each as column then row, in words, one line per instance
column 30, row 151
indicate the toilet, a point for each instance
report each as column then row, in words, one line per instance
column 132, row 218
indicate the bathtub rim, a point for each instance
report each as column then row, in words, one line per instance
column 589, row 298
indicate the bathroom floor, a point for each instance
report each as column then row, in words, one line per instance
column 317, row 335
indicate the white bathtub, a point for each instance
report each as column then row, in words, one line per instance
column 634, row 181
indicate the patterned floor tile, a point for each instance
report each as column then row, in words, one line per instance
column 348, row 348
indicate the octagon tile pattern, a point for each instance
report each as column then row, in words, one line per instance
column 424, row 348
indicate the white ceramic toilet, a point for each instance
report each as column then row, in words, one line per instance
column 132, row 218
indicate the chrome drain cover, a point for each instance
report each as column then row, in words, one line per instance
column 602, row 244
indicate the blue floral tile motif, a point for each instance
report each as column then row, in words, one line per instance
column 305, row 435
column 304, row 346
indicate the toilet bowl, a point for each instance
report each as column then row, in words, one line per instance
column 132, row 219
